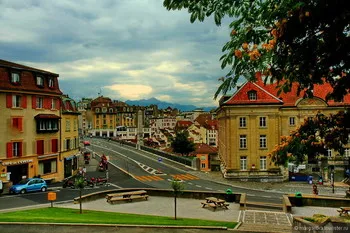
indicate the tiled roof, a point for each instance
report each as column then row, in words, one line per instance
column 202, row 148
column 267, row 94
column 202, row 118
column 27, row 78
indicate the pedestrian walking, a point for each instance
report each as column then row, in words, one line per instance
column 84, row 171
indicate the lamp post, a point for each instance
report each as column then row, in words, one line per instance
column 332, row 179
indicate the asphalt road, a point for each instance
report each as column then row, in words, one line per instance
column 130, row 168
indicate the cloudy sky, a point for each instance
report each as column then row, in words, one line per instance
column 128, row 49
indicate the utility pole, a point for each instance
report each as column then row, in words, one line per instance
column 139, row 130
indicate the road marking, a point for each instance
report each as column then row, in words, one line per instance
column 208, row 188
column 198, row 186
column 267, row 196
column 252, row 195
column 190, row 183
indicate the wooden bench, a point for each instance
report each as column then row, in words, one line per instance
column 126, row 196
column 344, row 211
column 215, row 203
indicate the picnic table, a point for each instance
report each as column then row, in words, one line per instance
column 126, row 196
column 344, row 211
column 215, row 203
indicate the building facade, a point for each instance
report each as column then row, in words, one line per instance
column 29, row 122
column 252, row 120
column 69, row 137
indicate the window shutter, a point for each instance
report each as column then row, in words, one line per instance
column 24, row 101
column 9, row 149
column 54, row 145
column 20, row 124
column 20, row 148
column 58, row 104
column 47, row 103
column 9, row 101
column 40, row 147
column 33, row 102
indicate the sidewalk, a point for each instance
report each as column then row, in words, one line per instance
column 281, row 187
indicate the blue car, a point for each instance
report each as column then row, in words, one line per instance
column 29, row 185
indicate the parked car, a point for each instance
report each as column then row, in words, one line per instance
column 29, row 185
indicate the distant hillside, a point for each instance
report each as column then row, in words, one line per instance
column 164, row 105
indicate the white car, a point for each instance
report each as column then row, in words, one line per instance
column 1, row 187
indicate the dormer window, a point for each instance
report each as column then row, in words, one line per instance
column 111, row 110
column 97, row 110
column 15, row 78
column 39, row 81
column 51, row 83
column 252, row 95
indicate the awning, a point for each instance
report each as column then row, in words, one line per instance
column 86, row 143
column 70, row 157
column 47, row 116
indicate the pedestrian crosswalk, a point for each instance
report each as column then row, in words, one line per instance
column 185, row 177
column 158, row 178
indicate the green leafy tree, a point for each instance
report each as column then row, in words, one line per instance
column 312, row 139
column 181, row 144
column 80, row 183
column 178, row 188
column 288, row 41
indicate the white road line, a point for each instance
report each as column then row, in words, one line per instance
column 198, row 186
column 266, row 196
column 208, row 188
column 190, row 183
column 251, row 195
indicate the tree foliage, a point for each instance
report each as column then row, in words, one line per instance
column 80, row 183
column 313, row 138
column 177, row 187
column 288, row 41
column 301, row 42
column 181, row 144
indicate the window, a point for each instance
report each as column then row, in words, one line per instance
column 51, row 83
column 75, row 125
column 263, row 141
column 47, row 125
column 39, row 102
column 242, row 122
column 68, row 144
column 67, row 125
column 111, row 110
column 14, row 149
column 347, row 152
column 40, row 147
column 243, row 163
column 40, row 81
column 104, row 109
column 53, row 103
column 263, row 163
column 242, row 141
column 329, row 152
column 16, row 101
column 15, row 78
column 17, row 123
column 252, row 95
column 47, row 166
column 262, row 122
column 202, row 165
column 291, row 121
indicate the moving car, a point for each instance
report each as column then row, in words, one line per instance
column 29, row 185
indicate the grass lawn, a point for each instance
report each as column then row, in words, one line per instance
column 66, row 215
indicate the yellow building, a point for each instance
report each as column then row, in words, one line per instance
column 69, row 137
column 252, row 120
column 29, row 122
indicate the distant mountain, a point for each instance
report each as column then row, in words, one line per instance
column 164, row 105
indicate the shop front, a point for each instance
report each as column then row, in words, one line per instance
column 16, row 169
column 47, row 167
column 70, row 165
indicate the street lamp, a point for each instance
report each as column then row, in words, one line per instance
column 332, row 179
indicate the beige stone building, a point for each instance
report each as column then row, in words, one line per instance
column 29, row 123
column 252, row 120
column 69, row 137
